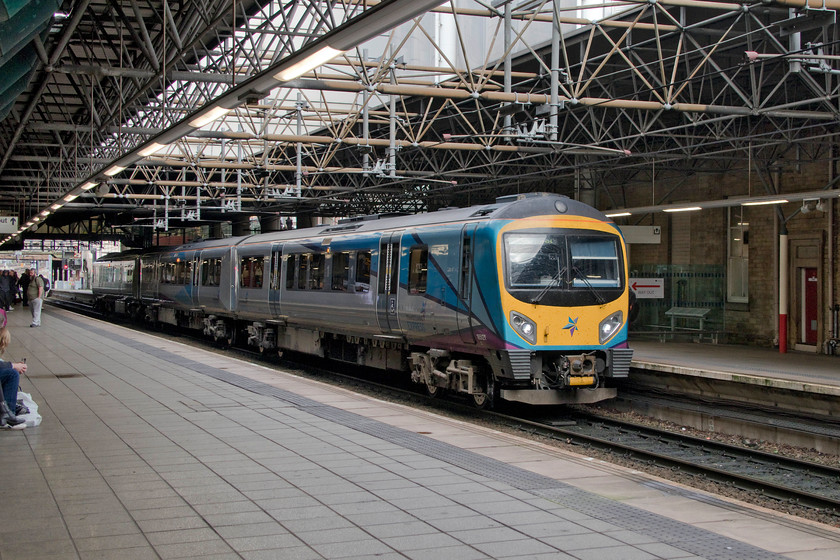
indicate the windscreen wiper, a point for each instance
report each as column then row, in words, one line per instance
column 579, row 274
column 555, row 280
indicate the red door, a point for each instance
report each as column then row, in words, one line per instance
column 810, row 307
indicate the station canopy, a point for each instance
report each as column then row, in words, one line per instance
column 124, row 117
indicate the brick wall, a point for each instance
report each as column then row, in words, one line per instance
column 754, row 322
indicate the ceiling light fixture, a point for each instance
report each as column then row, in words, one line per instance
column 618, row 214
column 314, row 60
column 683, row 209
column 152, row 148
column 111, row 171
column 210, row 116
column 765, row 202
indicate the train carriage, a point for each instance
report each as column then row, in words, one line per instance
column 524, row 300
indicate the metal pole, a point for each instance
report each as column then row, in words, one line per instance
column 299, row 148
column 392, row 136
column 365, row 120
column 508, row 32
column 555, row 74
column 784, row 283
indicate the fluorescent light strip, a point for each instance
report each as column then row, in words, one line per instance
column 314, row 60
column 684, row 209
column 618, row 214
column 209, row 116
column 764, row 202
column 70, row 197
column 152, row 148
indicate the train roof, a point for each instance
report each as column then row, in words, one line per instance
column 505, row 208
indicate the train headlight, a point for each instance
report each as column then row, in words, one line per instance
column 610, row 326
column 526, row 328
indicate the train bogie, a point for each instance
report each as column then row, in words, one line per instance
column 524, row 300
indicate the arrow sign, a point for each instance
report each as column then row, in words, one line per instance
column 648, row 288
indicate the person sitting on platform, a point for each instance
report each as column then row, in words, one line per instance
column 9, row 379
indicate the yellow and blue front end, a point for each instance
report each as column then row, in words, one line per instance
column 564, row 298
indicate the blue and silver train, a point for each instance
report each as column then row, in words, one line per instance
column 525, row 299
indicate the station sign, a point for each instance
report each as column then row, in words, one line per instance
column 648, row 288
column 642, row 235
column 8, row 224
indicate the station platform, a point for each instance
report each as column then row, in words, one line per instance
column 765, row 367
column 149, row 448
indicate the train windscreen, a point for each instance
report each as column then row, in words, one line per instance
column 539, row 263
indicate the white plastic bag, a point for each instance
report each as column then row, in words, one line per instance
column 32, row 418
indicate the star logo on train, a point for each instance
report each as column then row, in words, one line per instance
column 571, row 326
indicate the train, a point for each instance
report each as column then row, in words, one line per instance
column 524, row 299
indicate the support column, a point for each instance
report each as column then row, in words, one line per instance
column 784, row 285
column 554, row 103
column 508, row 130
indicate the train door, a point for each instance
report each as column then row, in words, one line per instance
column 389, row 279
column 195, row 275
column 275, row 279
column 465, row 326
column 196, row 279
column 228, row 282
column 809, row 298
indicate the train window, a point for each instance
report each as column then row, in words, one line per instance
column 535, row 260
column 316, row 272
column 167, row 273
column 147, row 273
column 303, row 268
column 388, row 272
column 340, row 271
column 594, row 262
column 210, row 272
column 251, row 272
column 290, row 272
column 259, row 271
column 418, row 269
column 363, row 271
column 275, row 270
column 183, row 272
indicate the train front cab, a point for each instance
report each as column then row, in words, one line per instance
column 564, row 299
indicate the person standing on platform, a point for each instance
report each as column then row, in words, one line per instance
column 35, row 294
column 6, row 291
column 24, row 284
column 15, row 287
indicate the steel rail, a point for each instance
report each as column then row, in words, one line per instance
column 742, row 481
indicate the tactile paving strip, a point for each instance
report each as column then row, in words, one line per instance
column 668, row 531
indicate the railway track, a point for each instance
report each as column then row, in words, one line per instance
column 784, row 479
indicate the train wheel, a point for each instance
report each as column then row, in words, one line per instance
column 486, row 399
column 434, row 391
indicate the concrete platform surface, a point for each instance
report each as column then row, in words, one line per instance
column 152, row 449
column 796, row 371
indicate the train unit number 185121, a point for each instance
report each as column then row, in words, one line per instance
column 525, row 299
